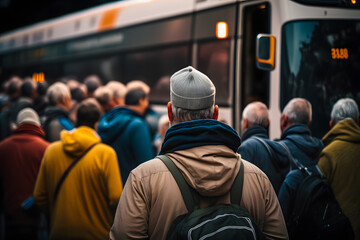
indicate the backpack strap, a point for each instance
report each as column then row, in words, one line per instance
column 190, row 195
column 65, row 123
column 301, row 167
column 186, row 191
column 271, row 154
column 237, row 187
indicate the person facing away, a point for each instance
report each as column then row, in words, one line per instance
column 296, row 135
column 271, row 158
column 56, row 115
column 86, row 202
column 204, row 150
column 339, row 160
column 21, row 155
column 125, row 129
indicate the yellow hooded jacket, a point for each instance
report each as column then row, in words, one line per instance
column 87, row 200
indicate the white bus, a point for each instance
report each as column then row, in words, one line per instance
column 265, row 50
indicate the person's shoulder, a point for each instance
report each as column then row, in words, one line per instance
column 149, row 168
column 102, row 147
column 252, row 169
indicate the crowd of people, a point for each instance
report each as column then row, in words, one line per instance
column 78, row 160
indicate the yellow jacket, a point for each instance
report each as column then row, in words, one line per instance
column 87, row 200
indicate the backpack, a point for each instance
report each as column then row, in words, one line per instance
column 315, row 212
column 221, row 221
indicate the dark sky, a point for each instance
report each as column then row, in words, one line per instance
column 19, row 13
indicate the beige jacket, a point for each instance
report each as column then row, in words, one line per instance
column 151, row 199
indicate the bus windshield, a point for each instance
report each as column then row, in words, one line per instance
column 320, row 61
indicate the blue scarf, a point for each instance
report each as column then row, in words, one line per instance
column 196, row 133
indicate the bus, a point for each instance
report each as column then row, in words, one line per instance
column 253, row 50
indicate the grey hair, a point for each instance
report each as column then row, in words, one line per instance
column 345, row 108
column 257, row 114
column 298, row 110
column 56, row 92
column 103, row 95
column 183, row 115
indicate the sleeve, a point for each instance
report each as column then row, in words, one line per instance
column 113, row 180
column 132, row 214
column 274, row 223
column 141, row 142
column 41, row 195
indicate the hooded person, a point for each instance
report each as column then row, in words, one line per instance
column 256, row 147
column 124, row 128
column 21, row 155
column 204, row 151
column 83, row 207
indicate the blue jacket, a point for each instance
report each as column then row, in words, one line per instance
column 306, row 149
column 126, row 131
column 275, row 164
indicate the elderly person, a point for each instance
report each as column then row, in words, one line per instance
column 56, row 116
column 204, row 151
column 339, row 161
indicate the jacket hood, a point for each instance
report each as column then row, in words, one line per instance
column 300, row 136
column 29, row 128
column 210, row 170
column 205, row 151
column 257, row 131
column 346, row 130
column 113, row 123
column 77, row 141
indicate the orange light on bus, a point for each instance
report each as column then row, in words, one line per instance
column 353, row 1
column 38, row 77
column 221, row 30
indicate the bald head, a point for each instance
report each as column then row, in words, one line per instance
column 256, row 114
column 297, row 111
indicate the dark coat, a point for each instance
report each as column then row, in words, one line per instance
column 127, row 132
column 21, row 155
column 275, row 164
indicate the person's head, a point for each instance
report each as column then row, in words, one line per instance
column 137, row 100
column 78, row 94
column 92, row 82
column 28, row 115
column 41, row 88
column 58, row 95
column 88, row 113
column 342, row 109
column 192, row 96
column 134, row 84
column 119, row 92
column 255, row 114
column 105, row 96
column 12, row 87
column 297, row 111
column 29, row 89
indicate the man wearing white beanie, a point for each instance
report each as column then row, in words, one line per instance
column 204, row 151
column 21, row 155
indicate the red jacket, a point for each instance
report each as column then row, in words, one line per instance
column 20, row 158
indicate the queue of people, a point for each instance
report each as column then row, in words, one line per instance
column 83, row 156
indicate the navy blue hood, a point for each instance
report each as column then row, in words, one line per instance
column 113, row 123
column 299, row 136
column 196, row 133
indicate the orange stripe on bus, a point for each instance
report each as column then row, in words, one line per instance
column 108, row 19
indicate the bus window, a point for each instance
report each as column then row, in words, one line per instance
column 254, row 82
column 155, row 67
column 320, row 62
column 213, row 61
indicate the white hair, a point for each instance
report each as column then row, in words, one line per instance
column 103, row 95
column 56, row 92
column 345, row 108
column 138, row 84
column 183, row 115
column 257, row 114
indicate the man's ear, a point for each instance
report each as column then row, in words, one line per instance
column 268, row 124
column 169, row 111
column 245, row 124
column 216, row 112
column 331, row 123
column 283, row 121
